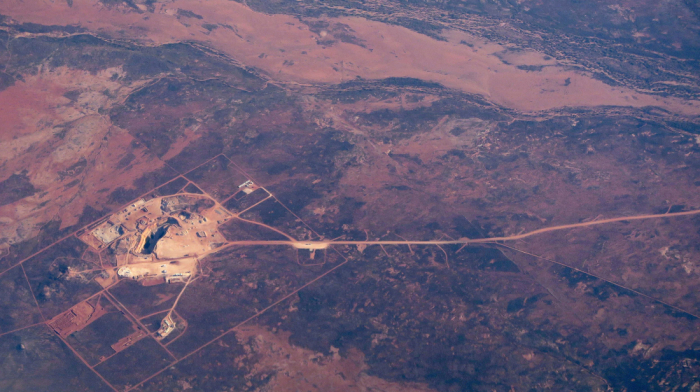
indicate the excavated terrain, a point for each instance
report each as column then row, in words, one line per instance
column 296, row 195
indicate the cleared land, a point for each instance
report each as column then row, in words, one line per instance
column 332, row 195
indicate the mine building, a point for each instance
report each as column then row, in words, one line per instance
column 108, row 232
column 166, row 327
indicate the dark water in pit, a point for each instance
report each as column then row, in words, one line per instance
column 152, row 239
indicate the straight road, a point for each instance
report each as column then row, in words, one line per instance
column 325, row 244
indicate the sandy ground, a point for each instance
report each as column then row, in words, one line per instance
column 298, row 369
column 185, row 267
column 288, row 51
column 47, row 136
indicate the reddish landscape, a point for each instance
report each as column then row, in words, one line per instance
column 385, row 196
column 288, row 51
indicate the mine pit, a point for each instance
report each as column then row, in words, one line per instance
column 151, row 238
column 158, row 240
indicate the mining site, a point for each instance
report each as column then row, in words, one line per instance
column 160, row 239
column 257, row 195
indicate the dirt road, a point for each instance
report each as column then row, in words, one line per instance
column 325, row 244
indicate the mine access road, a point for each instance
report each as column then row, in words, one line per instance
column 315, row 245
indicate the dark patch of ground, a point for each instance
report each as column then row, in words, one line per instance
column 274, row 214
column 237, row 230
column 93, row 342
column 454, row 328
column 143, row 300
column 135, row 363
column 54, row 279
column 242, row 201
column 226, row 365
column 241, row 282
column 17, row 308
column 170, row 188
column 15, row 187
column 141, row 185
column 192, row 188
column 219, row 178
column 35, row 359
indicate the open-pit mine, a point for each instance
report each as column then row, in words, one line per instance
column 159, row 240
column 385, row 195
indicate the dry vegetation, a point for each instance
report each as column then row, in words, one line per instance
column 286, row 196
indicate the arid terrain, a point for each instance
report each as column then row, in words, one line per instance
column 277, row 195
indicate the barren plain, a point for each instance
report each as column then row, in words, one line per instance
column 364, row 196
